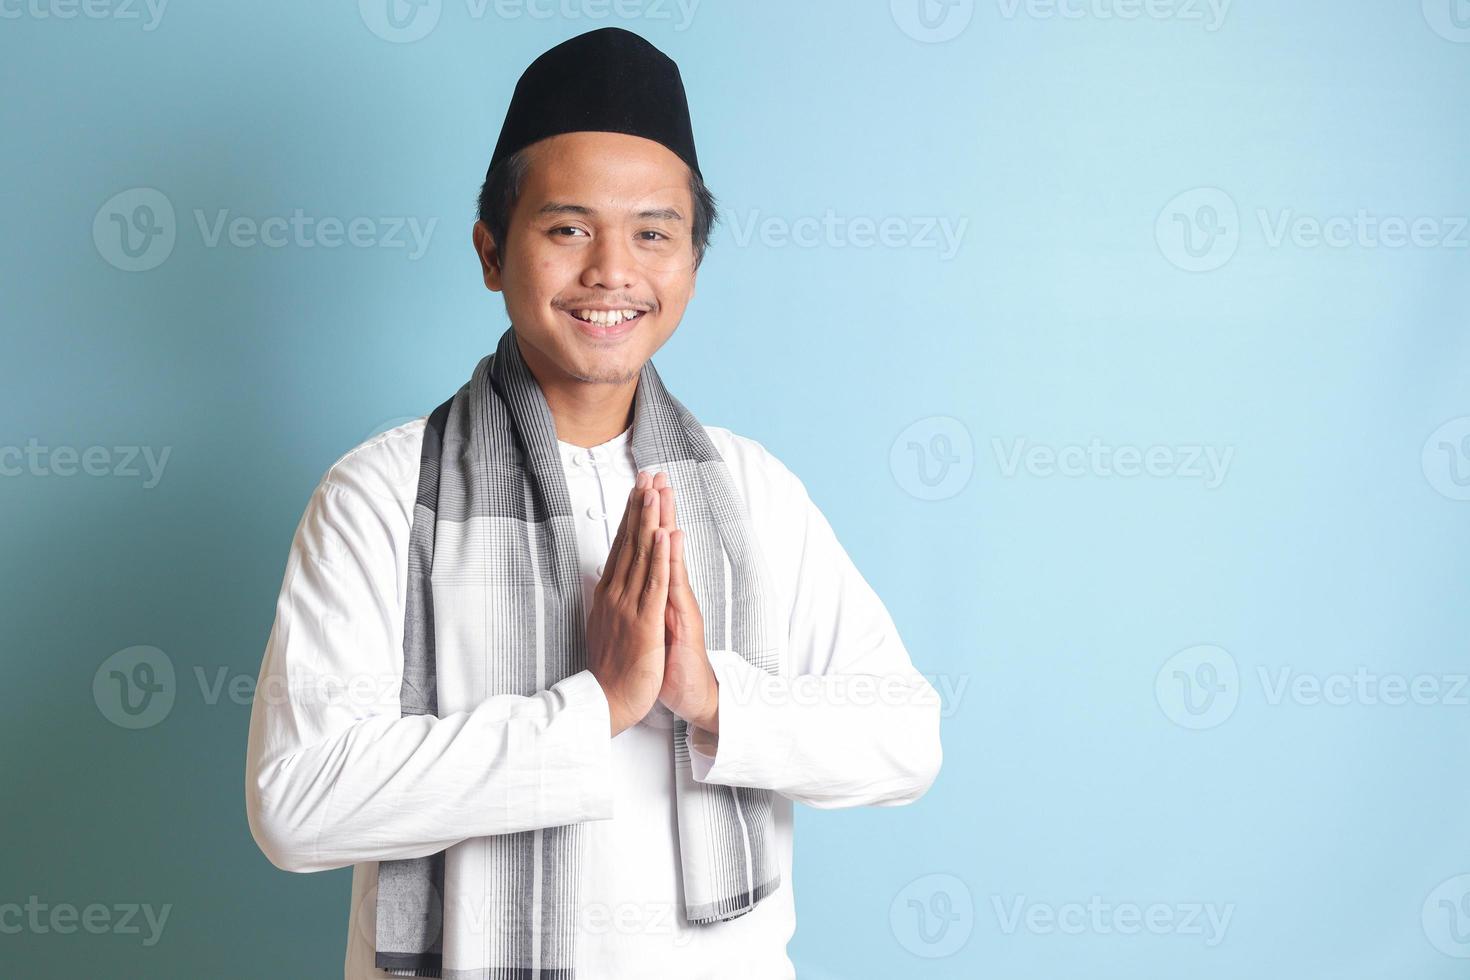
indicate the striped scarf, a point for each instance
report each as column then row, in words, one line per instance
column 494, row 577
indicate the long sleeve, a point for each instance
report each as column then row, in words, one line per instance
column 850, row 722
column 335, row 775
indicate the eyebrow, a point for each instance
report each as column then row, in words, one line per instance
column 652, row 214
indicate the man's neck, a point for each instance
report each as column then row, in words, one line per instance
column 586, row 413
column 590, row 414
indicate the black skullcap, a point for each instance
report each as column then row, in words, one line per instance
column 609, row 80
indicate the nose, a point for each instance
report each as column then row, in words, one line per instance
column 610, row 264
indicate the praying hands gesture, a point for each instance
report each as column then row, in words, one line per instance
column 645, row 634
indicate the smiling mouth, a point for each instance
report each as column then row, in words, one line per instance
column 606, row 318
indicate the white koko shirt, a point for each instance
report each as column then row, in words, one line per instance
column 848, row 722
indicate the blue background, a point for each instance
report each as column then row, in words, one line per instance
column 1080, row 766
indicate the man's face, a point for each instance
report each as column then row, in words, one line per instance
column 603, row 224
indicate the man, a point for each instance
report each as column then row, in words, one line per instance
column 550, row 665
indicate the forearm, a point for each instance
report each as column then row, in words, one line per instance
column 397, row 787
column 826, row 740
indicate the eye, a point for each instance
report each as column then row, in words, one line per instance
column 564, row 228
column 657, row 236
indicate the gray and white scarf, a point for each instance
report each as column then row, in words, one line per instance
column 495, row 582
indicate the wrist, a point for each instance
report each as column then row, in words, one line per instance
column 618, row 715
column 709, row 717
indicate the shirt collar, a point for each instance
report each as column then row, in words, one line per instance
column 613, row 448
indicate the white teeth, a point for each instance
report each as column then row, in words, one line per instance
column 605, row 318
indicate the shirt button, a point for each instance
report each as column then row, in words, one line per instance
column 600, row 567
column 595, row 513
column 580, row 458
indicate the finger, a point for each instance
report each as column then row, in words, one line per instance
column 678, row 568
column 660, row 483
column 638, row 553
column 666, row 515
column 615, row 568
column 656, row 589
column 629, row 508
column 665, row 488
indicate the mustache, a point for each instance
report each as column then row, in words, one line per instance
column 618, row 304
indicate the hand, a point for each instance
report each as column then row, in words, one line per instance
column 690, row 689
column 625, row 629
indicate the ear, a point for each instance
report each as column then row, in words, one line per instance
column 489, row 256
